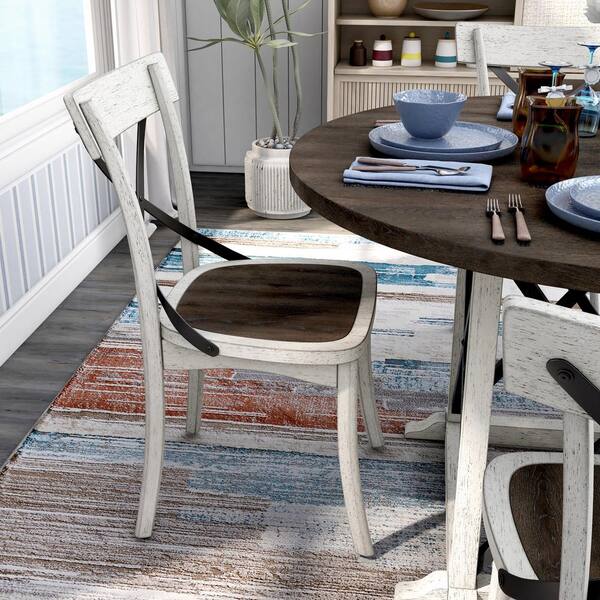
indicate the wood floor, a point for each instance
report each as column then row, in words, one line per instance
column 41, row 367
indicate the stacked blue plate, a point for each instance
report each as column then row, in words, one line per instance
column 577, row 201
column 469, row 142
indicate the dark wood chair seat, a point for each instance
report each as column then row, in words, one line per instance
column 287, row 302
column 536, row 496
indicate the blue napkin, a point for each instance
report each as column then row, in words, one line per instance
column 505, row 112
column 478, row 178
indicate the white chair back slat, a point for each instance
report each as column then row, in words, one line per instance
column 578, row 498
column 534, row 333
column 519, row 46
column 126, row 95
column 184, row 195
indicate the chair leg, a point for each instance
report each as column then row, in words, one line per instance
column 194, row 402
column 347, row 416
column 153, row 450
column 367, row 400
column 495, row 593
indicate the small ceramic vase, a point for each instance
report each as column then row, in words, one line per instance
column 358, row 54
column 445, row 55
column 387, row 8
column 383, row 53
column 411, row 51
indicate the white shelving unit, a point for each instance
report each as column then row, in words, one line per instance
column 353, row 89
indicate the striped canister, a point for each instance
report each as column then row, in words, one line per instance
column 445, row 55
column 383, row 54
column 411, row 51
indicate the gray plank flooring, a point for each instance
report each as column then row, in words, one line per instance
column 37, row 372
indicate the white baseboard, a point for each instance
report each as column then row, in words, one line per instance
column 30, row 311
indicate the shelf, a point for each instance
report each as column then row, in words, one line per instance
column 427, row 69
column 412, row 21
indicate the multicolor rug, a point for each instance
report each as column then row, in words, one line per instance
column 252, row 508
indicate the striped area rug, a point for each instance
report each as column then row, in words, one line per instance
column 252, row 508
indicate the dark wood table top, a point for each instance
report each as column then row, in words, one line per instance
column 447, row 227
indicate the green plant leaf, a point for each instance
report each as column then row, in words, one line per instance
column 257, row 10
column 276, row 44
column 212, row 42
column 302, row 34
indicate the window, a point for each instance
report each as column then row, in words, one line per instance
column 44, row 45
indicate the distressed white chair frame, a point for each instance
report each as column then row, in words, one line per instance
column 101, row 111
column 535, row 332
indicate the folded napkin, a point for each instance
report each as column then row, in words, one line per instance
column 505, row 112
column 478, row 179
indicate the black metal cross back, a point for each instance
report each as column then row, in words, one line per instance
column 181, row 325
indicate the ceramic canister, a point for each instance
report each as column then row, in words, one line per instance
column 383, row 53
column 411, row 51
column 445, row 55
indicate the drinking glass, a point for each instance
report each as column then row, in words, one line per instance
column 550, row 143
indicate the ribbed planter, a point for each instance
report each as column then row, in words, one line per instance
column 269, row 192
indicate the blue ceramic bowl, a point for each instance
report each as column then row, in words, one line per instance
column 429, row 114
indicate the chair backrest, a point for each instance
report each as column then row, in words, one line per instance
column 535, row 333
column 102, row 110
column 489, row 45
column 121, row 99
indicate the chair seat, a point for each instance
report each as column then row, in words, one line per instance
column 523, row 497
column 276, row 304
column 285, row 302
column 536, row 496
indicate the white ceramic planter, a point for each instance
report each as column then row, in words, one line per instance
column 269, row 192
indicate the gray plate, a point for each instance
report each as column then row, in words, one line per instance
column 450, row 14
column 558, row 198
column 463, row 137
column 507, row 146
column 586, row 197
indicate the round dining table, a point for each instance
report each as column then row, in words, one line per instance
column 452, row 227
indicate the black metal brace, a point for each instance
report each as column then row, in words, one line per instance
column 587, row 396
column 531, row 589
column 181, row 325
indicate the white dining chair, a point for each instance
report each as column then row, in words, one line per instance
column 307, row 319
column 538, row 506
column 490, row 46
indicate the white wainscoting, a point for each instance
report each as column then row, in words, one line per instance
column 227, row 105
column 56, row 224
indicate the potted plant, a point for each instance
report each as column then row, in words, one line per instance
column 269, row 192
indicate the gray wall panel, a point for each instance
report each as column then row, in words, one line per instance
column 44, row 216
column 228, row 107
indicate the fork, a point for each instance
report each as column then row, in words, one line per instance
column 493, row 211
column 515, row 206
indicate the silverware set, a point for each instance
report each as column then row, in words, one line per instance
column 393, row 165
column 515, row 206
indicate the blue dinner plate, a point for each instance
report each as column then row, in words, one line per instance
column 558, row 198
column 507, row 145
column 585, row 197
column 463, row 137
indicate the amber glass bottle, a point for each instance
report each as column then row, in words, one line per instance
column 530, row 81
column 550, row 144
